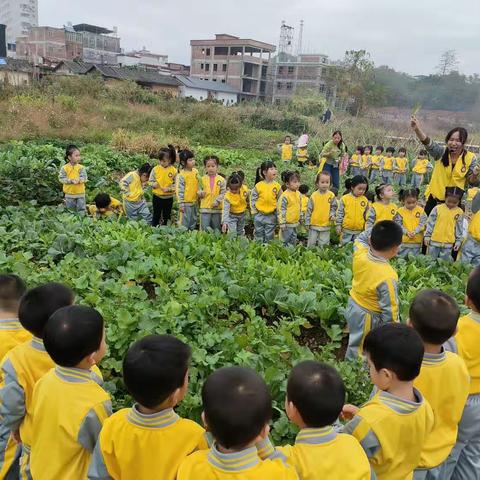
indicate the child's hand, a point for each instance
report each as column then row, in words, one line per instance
column 75, row 181
column 410, row 234
column 201, row 194
column 426, row 241
column 348, row 411
column 181, row 209
column 224, row 228
column 476, row 170
column 283, row 227
column 456, row 248
column 338, row 230
column 16, row 437
column 156, row 185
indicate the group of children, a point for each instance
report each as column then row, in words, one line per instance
column 422, row 420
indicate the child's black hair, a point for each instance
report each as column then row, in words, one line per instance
column 12, row 288
column 396, row 347
column 234, row 180
column 39, row 304
column 72, row 334
column 454, row 192
column 241, row 174
column 211, row 157
column 102, row 200
column 473, row 288
column 185, row 155
column 360, row 149
column 369, row 147
column 237, row 406
column 380, row 188
column 380, row 147
column 145, row 169
column 69, row 151
column 423, row 152
column 289, row 176
column 287, row 136
column 260, row 173
column 154, row 367
column 390, row 150
column 317, row 391
column 434, row 315
column 403, row 194
column 168, row 152
column 351, row 183
column 303, row 189
column 403, row 150
column 385, row 235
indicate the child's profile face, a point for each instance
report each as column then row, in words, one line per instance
column 377, row 376
column 388, row 193
column 359, row 190
column 452, row 202
column 144, row 177
column 211, row 167
column 293, row 185
column 74, row 157
column 323, row 183
column 271, row 174
column 190, row 163
column 410, row 203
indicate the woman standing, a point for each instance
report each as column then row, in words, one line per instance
column 333, row 152
column 454, row 165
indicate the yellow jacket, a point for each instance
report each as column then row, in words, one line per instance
column 70, row 173
column 264, row 197
column 351, row 212
column 11, row 334
column 234, row 203
column 187, row 186
column 302, row 154
column 421, row 166
column 412, row 221
column 379, row 211
column 474, row 227
column 321, row 210
column 164, row 178
column 355, row 160
column 376, row 162
column 400, row 165
column 131, row 187
column 387, row 163
column 286, row 151
column 445, row 225
column 365, row 161
column 115, row 207
column 212, row 201
column 289, row 208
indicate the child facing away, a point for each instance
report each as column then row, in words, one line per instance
column 290, row 209
column 211, row 194
column 386, row 166
column 235, row 204
column 400, row 167
column 413, row 219
column 420, row 168
column 383, row 208
column 162, row 180
column 236, row 410
column 393, row 425
column 355, row 162
column 470, row 252
column 69, row 405
column 155, row 372
column 444, row 380
column 376, row 163
column 444, row 230
column 263, row 201
column 352, row 210
column 303, row 189
column 105, row 206
column 366, row 161
column 134, row 202
column 73, row 176
column 187, row 190
column 373, row 298
column 20, row 370
column 286, row 149
column 321, row 211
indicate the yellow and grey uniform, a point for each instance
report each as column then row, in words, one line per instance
column 134, row 202
column 263, row 204
column 444, row 230
column 211, row 203
column 114, row 208
column 421, row 167
column 386, row 167
column 321, row 211
column 414, row 221
column 355, row 164
column 286, row 151
column 392, row 432
column 444, row 382
column 375, row 167
column 11, row 334
column 74, row 192
column 470, row 252
column 373, row 298
column 234, row 211
column 289, row 214
column 69, row 409
column 400, row 170
column 126, row 445
column 365, row 162
column 351, row 215
column 187, row 194
column 464, row 461
column 302, row 155
column 164, row 178
column 379, row 211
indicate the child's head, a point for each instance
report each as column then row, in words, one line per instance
column 434, row 315
column 266, row 171
column 211, row 164
column 453, row 197
column 12, row 288
column 155, row 371
column 368, row 150
column 472, row 296
column 422, row 154
column 303, row 189
column 237, row 407
column 287, row 140
column 386, row 238
column 323, row 181
column 144, row 172
column 384, row 192
column 72, row 154
column 40, row 303
column 234, row 182
column 357, row 185
column 409, row 197
column 166, row 156
column 102, row 201
column 402, row 152
column 186, row 159
column 390, row 151
column 292, row 180
column 359, row 150
column 379, row 150
column 74, row 336
column 394, row 353
column 315, row 395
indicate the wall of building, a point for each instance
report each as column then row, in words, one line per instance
column 19, row 16
column 198, row 94
column 16, row 79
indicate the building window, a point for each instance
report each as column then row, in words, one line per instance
column 223, row 80
column 279, row 85
column 207, row 67
column 208, row 52
column 280, row 70
column 291, row 69
column 289, row 85
column 224, row 67
column 214, row 79
column 215, row 67
column 202, row 66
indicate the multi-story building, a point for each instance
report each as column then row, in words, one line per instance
column 19, row 16
column 142, row 58
column 241, row 63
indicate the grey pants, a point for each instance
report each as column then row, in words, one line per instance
column 401, row 179
column 211, row 221
column 443, row 252
column 236, row 224
column 188, row 218
column 288, row 235
column 76, row 203
column 138, row 211
column 410, row 249
column 363, row 171
column 417, row 179
column 318, row 237
column 374, row 174
column 355, row 171
column 387, row 176
column 470, row 252
column 437, row 473
column 348, row 237
column 264, row 227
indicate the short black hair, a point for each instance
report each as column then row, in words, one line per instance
column 237, row 405
column 390, row 150
column 396, row 347
column 39, row 303
column 380, row 147
column 303, row 189
column 385, row 235
column 12, row 288
column 102, row 200
column 73, row 333
column 145, row 169
column 473, row 288
column 402, row 149
column 317, row 391
column 423, row 152
column 434, row 315
column 154, row 367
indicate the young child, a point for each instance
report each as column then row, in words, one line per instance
column 302, row 150
column 413, row 219
column 187, row 190
column 20, row 370
column 12, row 333
column 373, row 298
column 376, row 163
column 69, row 405
column 366, row 161
column 263, row 201
column 445, row 226
column 383, row 208
column 235, row 204
column 352, row 210
column 73, row 176
column 321, row 211
column 162, row 180
column 237, row 408
column 303, row 189
column 420, row 168
column 211, row 195
column 355, row 161
column 444, row 380
column 386, row 166
column 400, row 167
column 393, row 425
column 470, row 252
column 464, row 461
column 105, row 206
column 286, row 149
column 155, row 372
column 134, row 202
column 290, row 209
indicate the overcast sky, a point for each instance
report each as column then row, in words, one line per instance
column 409, row 35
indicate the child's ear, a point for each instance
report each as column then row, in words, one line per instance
column 204, row 421
column 265, row 431
column 409, row 323
column 91, row 359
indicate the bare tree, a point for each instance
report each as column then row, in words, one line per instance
column 448, row 62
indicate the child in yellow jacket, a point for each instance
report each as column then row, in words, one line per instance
column 235, row 204
column 400, row 168
column 134, row 202
column 386, row 166
column 213, row 187
column 290, row 209
column 376, row 163
column 383, row 208
column 355, row 162
column 286, row 149
column 420, row 168
column 73, row 176
column 187, row 190
column 105, row 206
